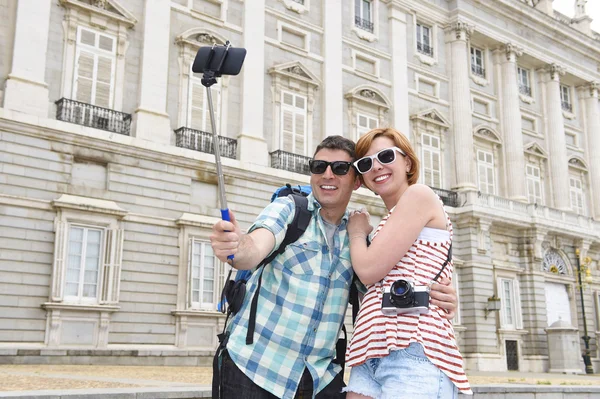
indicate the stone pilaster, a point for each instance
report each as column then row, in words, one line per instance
column 555, row 128
column 332, row 69
column 592, row 118
column 511, row 123
column 151, row 121
column 398, row 18
column 26, row 89
column 460, row 93
column 252, row 146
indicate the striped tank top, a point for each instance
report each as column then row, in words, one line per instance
column 376, row 334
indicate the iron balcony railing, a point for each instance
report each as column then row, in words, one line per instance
column 299, row 1
column 449, row 198
column 567, row 106
column 291, row 162
column 90, row 115
column 478, row 70
column 425, row 49
column 204, row 142
column 364, row 24
column 526, row 90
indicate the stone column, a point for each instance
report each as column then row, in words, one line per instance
column 151, row 121
column 332, row 69
column 252, row 146
column 26, row 89
column 555, row 127
column 398, row 18
column 511, row 124
column 460, row 104
column 592, row 118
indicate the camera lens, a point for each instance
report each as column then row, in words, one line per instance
column 401, row 293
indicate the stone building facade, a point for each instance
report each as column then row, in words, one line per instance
column 108, row 188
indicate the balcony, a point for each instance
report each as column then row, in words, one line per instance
column 198, row 140
column 567, row 106
column 449, row 198
column 425, row 49
column 525, row 90
column 364, row 24
column 90, row 115
column 478, row 70
column 291, row 162
column 299, row 1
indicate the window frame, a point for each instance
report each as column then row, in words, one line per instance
column 489, row 166
column 524, row 86
column 420, row 26
column 531, row 179
column 369, row 119
column 293, row 109
column 474, row 64
column 515, row 298
column 95, row 52
column 216, row 92
column 580, row 210
column 201, row 304
column 432, row 149
column 359, row 6
column 79, row 298
column 566, row 100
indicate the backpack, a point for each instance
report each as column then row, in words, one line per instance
column 234, row 291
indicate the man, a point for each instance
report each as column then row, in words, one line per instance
column 304, row 292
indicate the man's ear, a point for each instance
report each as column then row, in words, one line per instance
column 357, row 183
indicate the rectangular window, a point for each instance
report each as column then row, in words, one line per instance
column 363, row 14
column 424, row 44
column 485, row 169
column 95, row 57
column 510, row 313
column 534, row 184
column 365, row 123
column 198, row 111
column 477, row 63
column 83, row 264
column 293, row 123
column 431, row 161
column 565, row 98
column 204, row 276
column 576, row 190
column 524, row 85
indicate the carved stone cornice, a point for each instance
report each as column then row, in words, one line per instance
column 594, row 88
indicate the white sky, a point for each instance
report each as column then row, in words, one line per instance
column 592, row 7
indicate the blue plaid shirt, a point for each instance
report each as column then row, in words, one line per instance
column 301, row 307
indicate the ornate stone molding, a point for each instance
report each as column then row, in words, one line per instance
column 578, row 163
column 512, row 51
column 555, row 71
column 462, row 30
column 594, row 88
column 554, row 263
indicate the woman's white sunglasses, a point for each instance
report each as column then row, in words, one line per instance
column 385, row 157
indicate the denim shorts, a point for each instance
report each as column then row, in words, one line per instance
column 405, row 373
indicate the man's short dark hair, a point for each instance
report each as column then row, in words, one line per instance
column 337, row 143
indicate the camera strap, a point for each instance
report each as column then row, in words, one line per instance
column 448, row 259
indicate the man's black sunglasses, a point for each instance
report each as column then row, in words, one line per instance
column 339, row 168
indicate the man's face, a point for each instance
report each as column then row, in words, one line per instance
column 333, row 191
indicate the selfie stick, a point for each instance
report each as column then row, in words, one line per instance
column 208, row 79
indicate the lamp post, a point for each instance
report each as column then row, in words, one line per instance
column 586, row 339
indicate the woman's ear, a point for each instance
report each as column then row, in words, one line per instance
column 408, row 164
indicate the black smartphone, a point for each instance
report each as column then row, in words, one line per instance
column 213, row 55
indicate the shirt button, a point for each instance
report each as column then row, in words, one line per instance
column 314, row 330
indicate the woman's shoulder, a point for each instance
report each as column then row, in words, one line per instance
column 421, row 192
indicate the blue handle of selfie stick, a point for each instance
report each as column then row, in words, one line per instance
column 225, row 216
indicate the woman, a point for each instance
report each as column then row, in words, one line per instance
column 401, row 349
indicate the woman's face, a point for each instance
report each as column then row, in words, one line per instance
column 386, row 179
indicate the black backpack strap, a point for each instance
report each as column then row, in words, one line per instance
column 295, row 230
column 340, row 349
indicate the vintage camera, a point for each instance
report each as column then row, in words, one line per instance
column 405, row 297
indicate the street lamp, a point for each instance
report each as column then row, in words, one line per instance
column 583, row 267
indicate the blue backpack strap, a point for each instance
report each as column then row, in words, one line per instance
column 295, row 230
